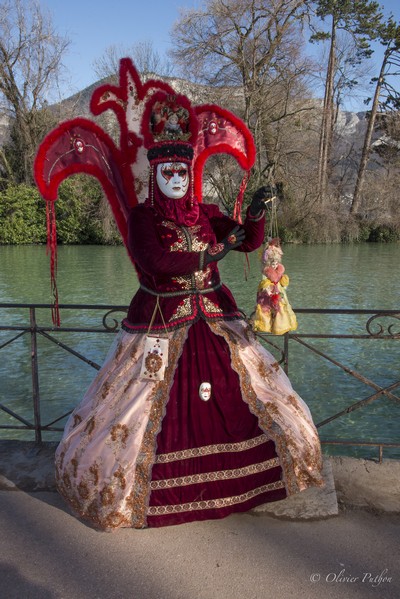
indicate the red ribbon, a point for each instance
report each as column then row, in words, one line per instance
column 52, row 249
column 239, row 200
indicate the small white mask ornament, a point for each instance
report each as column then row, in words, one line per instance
column 205, row 391
column 173, row 179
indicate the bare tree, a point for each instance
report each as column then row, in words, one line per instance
column 251, row 51
column 147, row 60
column 30, row 61
column 237, row 43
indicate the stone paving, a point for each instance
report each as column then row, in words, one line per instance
column 46, row 553
column 303, row 547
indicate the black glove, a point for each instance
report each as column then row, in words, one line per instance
column 231, row 241
column 258, row 202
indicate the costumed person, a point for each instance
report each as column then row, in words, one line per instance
column 190, row 418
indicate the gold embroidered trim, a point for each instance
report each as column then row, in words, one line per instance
column 206, row 477
column 184, row 282
column 183, row 309
column 210, row 504
column 300, row 456
column 137, row 500
column 181, row 245
column 210, row 307
column 197, row 244
column 196, row 452
column 202, row 278
column 168, row 224
column 265, row 420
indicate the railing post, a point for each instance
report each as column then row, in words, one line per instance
column 35, row 377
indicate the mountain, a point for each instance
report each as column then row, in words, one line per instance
column 349, row 130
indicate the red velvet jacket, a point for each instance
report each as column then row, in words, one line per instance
column 169, row 260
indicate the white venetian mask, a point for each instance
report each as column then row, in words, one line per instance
column 173, row 179
column 205, row 391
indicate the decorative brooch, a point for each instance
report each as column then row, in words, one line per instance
column 213, row 250
column 232, row 239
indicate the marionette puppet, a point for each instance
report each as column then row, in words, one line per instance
column 273, row 313
column 190, row 418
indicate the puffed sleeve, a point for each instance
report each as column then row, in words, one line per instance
column 148, row 253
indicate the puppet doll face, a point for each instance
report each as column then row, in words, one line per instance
column 173, row 179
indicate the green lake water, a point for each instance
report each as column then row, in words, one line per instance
column 362, row 276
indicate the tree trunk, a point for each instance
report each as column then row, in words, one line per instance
column 327, row 120
column 366, row 151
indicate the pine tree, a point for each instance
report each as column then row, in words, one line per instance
column 385, row 97
column 361, row 20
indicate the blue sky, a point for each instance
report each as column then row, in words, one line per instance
column 93, row 26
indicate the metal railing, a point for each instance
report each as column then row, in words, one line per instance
column 382, row 325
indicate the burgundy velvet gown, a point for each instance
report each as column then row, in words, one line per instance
column 215, row 450
column 151, row 452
